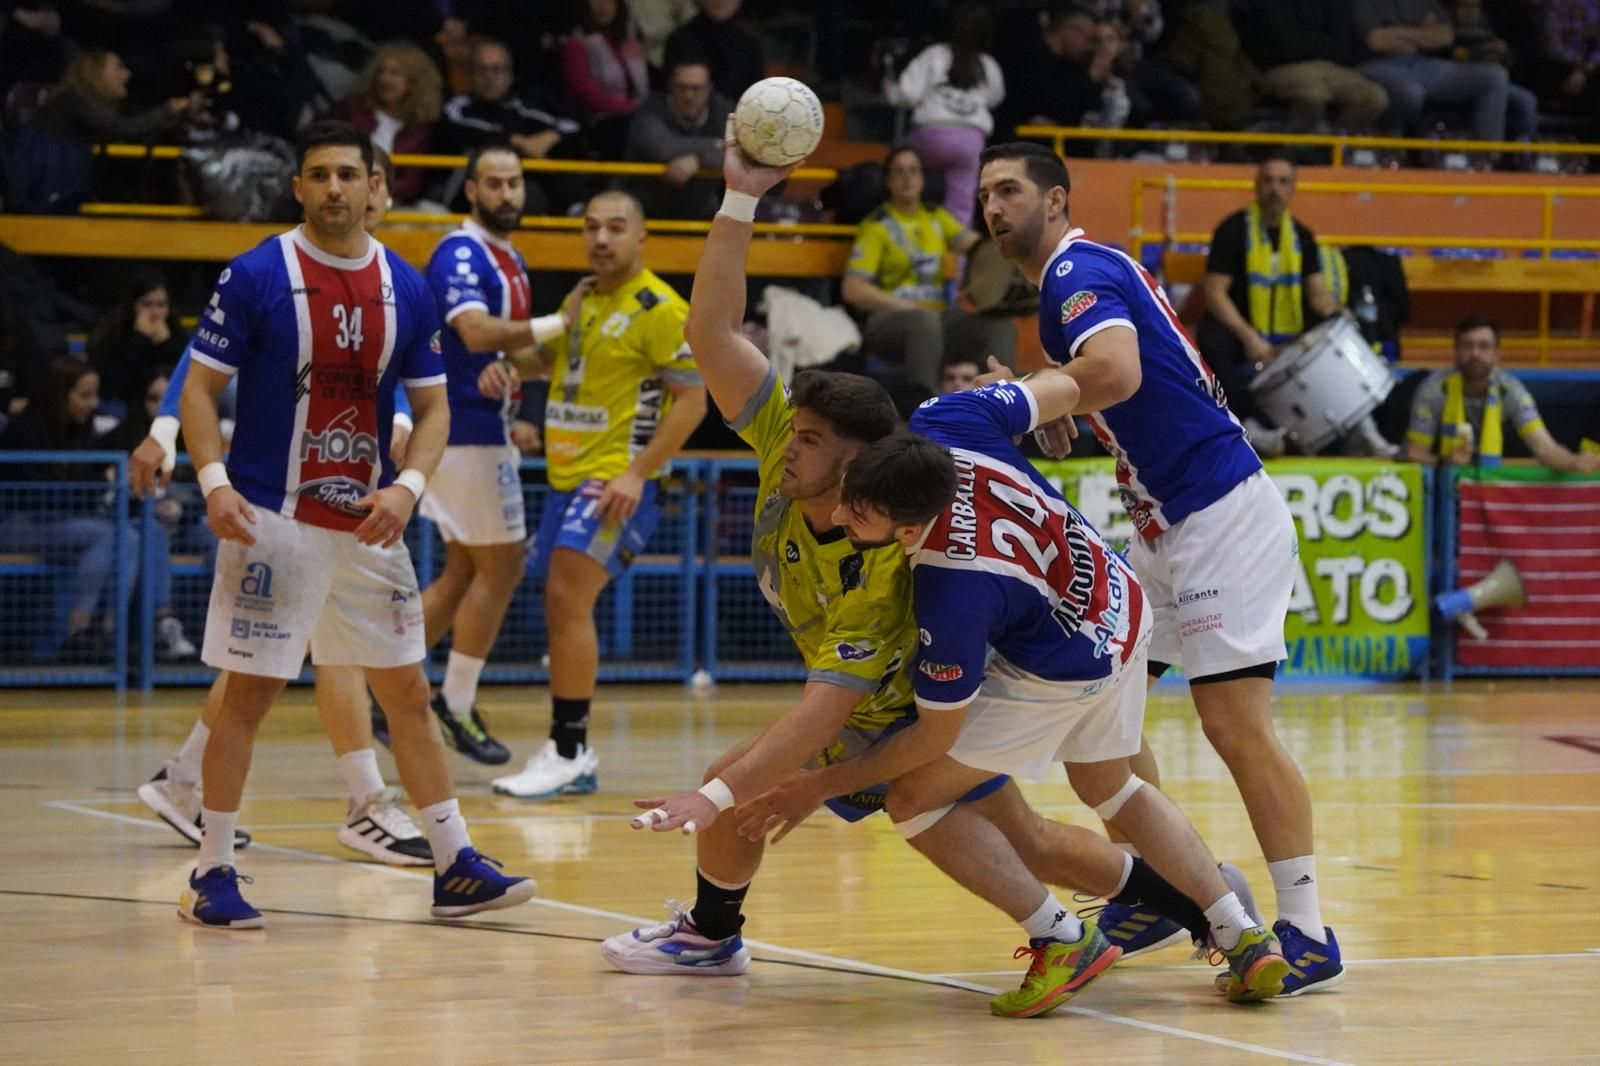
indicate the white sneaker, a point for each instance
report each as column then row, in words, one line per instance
column 380, row 830
column 676, row 947
column 178, row 804
column 548, row 774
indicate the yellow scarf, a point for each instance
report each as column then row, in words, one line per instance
column 1273, row 273
column 1453, row 424
column 1335, row 273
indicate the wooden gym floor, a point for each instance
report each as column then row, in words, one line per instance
column 1459, row 832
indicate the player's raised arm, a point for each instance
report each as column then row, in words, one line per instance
column 733, row 368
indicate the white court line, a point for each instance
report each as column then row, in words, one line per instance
column 851, row 965
column 1592, row 954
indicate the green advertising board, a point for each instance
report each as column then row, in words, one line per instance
column 1360, row 604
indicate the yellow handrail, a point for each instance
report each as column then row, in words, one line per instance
column 450, row 162
column 1059, row 135
column 1546, row 243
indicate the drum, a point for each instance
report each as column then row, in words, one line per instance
column 994, row 284
column 1323, row 383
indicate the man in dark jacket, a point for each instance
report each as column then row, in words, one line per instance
column 683, row 128
column 732, row 53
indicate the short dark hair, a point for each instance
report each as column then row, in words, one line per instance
column 381, row 161
column 1472, row 322
column 1276, row 155
column 492, row 148
column 956, row 357
column 331, row 133
column 638, row 204
column 1044, row 167
column 1064, row 12
column 855, row 406
column 900, row 149
column 907, row 477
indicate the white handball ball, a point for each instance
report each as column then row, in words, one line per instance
column 778, row 121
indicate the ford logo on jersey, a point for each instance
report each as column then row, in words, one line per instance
column 337, row 493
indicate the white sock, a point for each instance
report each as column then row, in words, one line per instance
column 1127, row 872
column 186, row 764
column 361, row 776
column 1127, row 847
column 1298, row 904
column 1052, row 921
column 447, row 832
column 216, row 839
column 1228, row 921
column 460, row 688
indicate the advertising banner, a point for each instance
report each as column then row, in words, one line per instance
column 1360, row 604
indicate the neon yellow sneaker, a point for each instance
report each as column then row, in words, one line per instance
column 1256, row 967
column 1058, row 972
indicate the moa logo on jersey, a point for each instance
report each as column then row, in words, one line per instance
column 337, row 494
column 1077, row 304
column 339, row 443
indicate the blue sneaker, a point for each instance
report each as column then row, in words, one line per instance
column 472, row 884
column 1313, row 967
column 1136, row 930
column 676, row 947
column 214, row 900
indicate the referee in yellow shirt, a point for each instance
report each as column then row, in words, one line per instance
column 624, row 397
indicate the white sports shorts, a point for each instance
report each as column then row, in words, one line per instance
column 356, row 604
column 1219, row 581
column 475, row 496
column 1020, row 723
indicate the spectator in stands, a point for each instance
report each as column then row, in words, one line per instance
column 899, row 277
column 1565, row 66
column 134, row 339
column 732, row 52
column 1307, row 50
column 1066, row 75
column 489, row 113
column 1410, row 41
column 1157, row 92
column 87, row 104
column 273, row 88
column 1459, row 416
column 1264, row 287
column 682, row 128
column 603, row 71
column 398, row 103
column 953, row 88
column 65, row 527
column 958, row 374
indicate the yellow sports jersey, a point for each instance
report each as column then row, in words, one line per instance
column 608, row 390
column 848, row 611
column 908, row 256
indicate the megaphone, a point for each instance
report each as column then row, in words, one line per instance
column 1500, row 587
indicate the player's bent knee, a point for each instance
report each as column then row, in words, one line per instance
column 921, row 823
column 1110, row 808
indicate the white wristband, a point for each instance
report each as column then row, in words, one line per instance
column 414, row 480
column 164, row 431
column 739, row 205
column 212, row 476
column 546, row 328
column 718, row 793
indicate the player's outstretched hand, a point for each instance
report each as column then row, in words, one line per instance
column 149, row 468
column 388, row 512
column 690, row 811
column 1055, row 438
column 781, row 807
column 620, row 498
column 498, row 380
column 996, row 373
column 574, row 300
column 744, row 174
column 229, row 516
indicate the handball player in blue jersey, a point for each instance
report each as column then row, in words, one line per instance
column 319, row 325
column 1215, row 547
column 1034, row 635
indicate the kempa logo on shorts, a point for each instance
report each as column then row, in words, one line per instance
column 257, row 581
column 1189, row 596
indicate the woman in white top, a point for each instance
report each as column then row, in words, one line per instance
column 952, row 88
